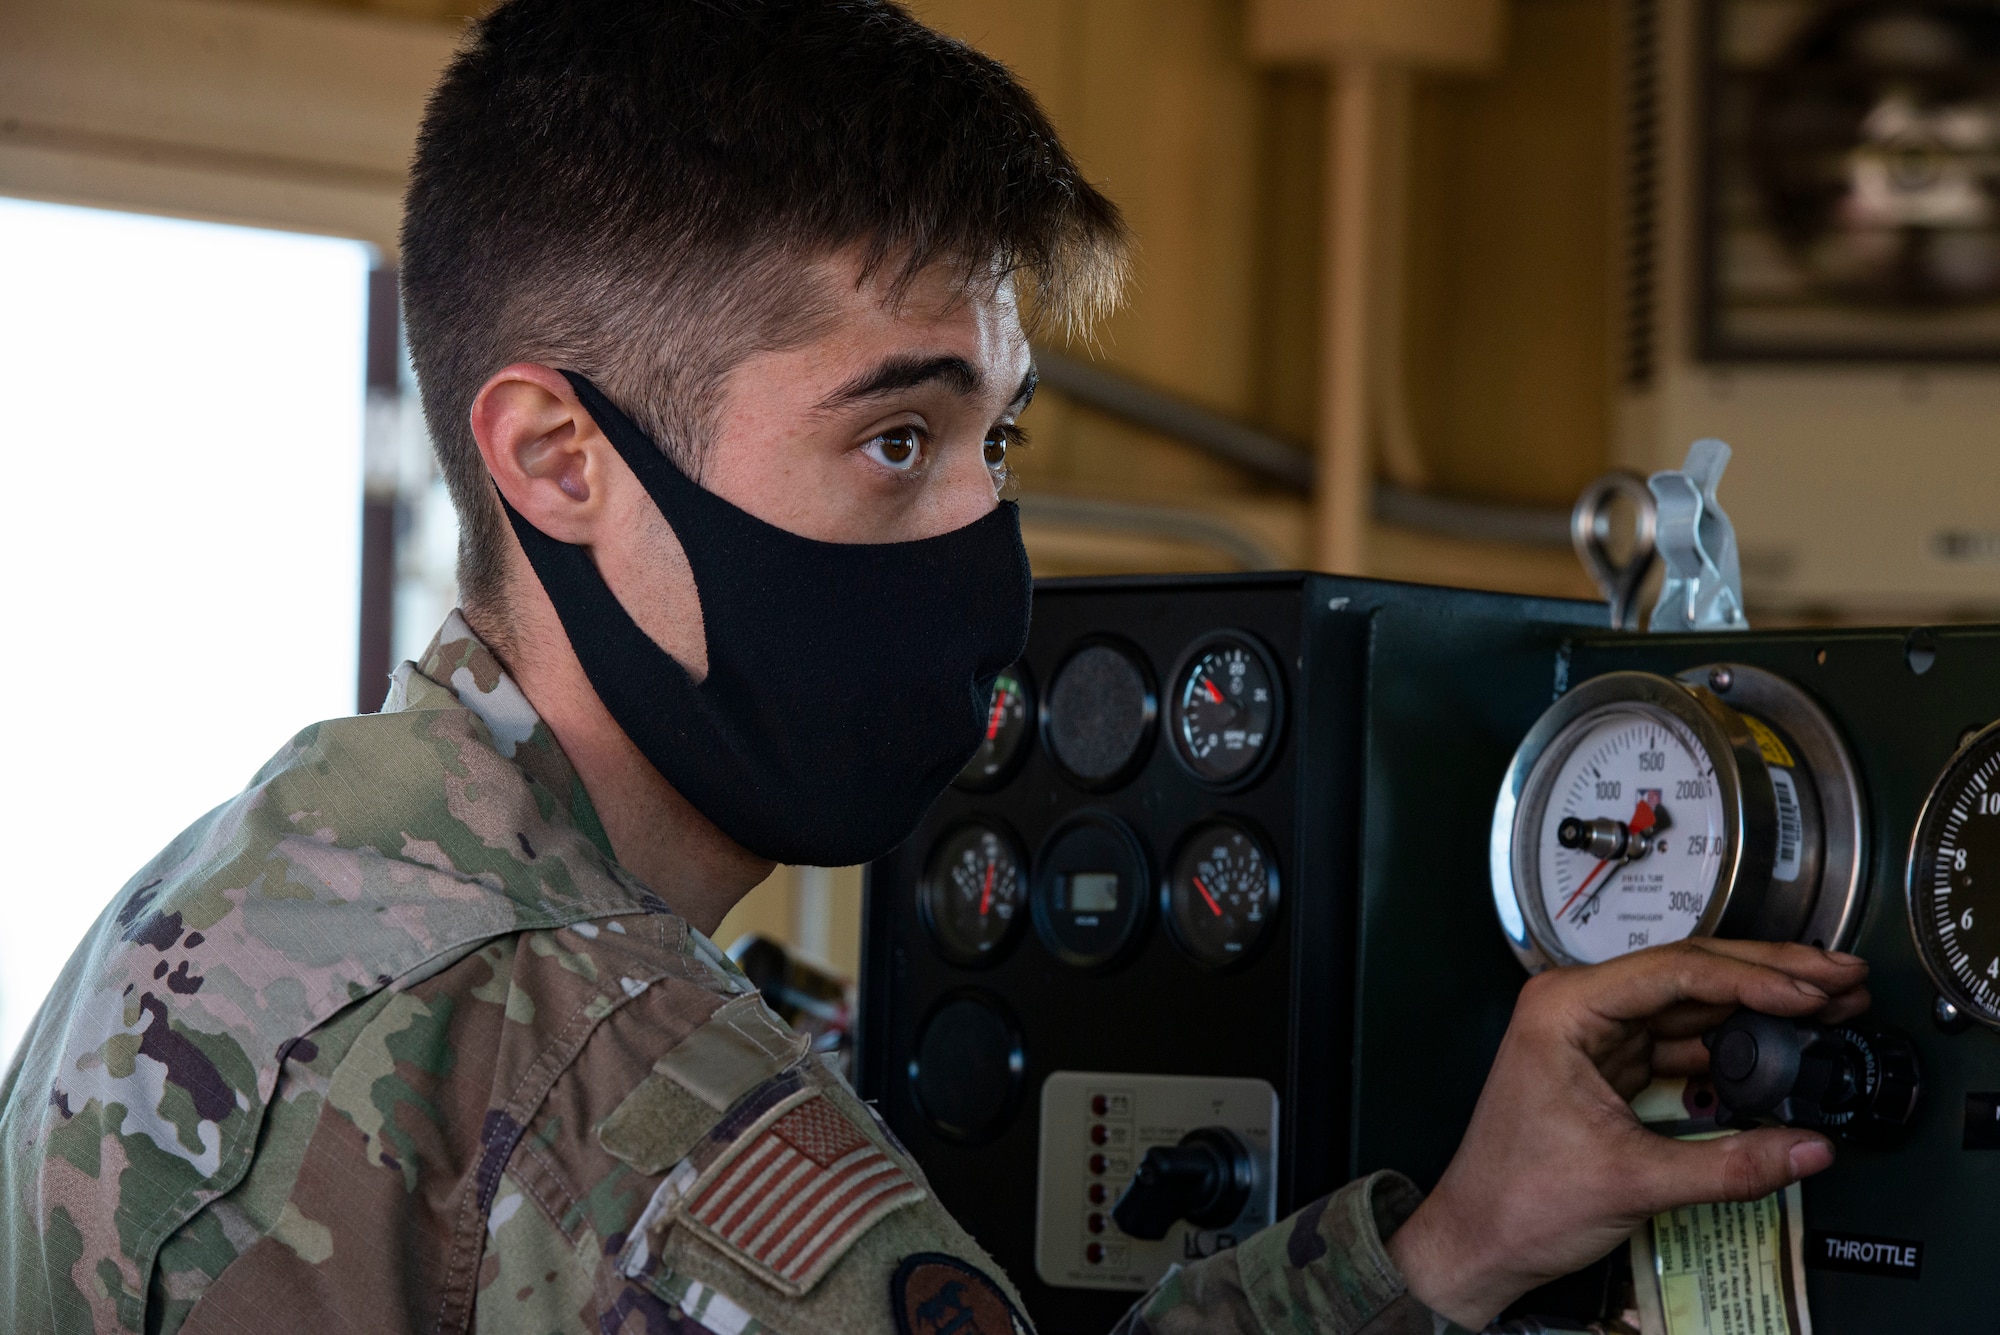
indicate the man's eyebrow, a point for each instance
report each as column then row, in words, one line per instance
column 899, row 373
column 1025, row 395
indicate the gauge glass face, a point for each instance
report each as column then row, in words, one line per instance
column 1634, row 777
column 1006, row 734
column 973, row 894
column 1222, row 895
column 1955, row 881
column 1224, row 707
column 1091, row 890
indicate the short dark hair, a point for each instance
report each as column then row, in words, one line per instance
column 630, row 189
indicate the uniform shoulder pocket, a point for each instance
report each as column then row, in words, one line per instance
column 742, row 1046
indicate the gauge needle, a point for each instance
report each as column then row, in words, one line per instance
column 986, row 892
column 1208, row 684
column 1644, row 816
column 993, row 719
column 1213, row 907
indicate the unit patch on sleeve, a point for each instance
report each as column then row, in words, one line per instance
column 795, row 1192
column 933, row 1294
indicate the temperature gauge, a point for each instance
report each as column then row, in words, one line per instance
column 1222, row 895
column 1642, row 810
column 972, row 895
column 1225, row 709
column 1006, row 736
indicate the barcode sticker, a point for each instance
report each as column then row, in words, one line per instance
column 1791, row 830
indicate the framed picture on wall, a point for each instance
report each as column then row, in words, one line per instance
column 1851, row 192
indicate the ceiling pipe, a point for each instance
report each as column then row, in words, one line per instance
column 1281, row 461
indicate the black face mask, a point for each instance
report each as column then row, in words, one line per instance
column 847, row 683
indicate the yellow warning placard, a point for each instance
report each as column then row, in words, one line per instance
column 1728, row 1269
column 1769, row 743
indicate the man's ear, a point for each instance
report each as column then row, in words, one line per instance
column 543, row 450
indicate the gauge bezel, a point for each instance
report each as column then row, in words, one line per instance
column 1274, row 736
column 927, row 889
column 1031, row 724
column 1834, row 918
column 1040, row 887
column 1947, row 986
column 1274, row 881
column 1149, row 729
column 1749, row 833
column 1017, row 1068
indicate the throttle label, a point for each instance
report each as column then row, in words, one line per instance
column 1858, row 1254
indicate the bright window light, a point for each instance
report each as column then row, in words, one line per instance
column 184, row 413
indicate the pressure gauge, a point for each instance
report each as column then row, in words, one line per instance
column 1225, row 709
column 1954, row 880
column 1006, row 738
column 1642, row 810
column 1222, row 894
column 973, row 892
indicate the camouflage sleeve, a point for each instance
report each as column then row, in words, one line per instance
column 533, row 1281
column 1321, row 1272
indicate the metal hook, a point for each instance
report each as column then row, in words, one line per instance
column 1590, row 533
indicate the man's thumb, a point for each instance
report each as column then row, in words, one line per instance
column 1743, row 1167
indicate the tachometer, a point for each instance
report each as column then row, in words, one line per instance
column 1954, row 880
column 1225, row 709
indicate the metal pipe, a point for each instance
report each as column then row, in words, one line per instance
column 1282, row 461
column 1153, row 521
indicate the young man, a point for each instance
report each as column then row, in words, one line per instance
column 718, row 309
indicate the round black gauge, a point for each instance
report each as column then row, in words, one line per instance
column 1090, row 890
column 1954, row 880
column 967, row 1068
column 972, row 894
column 1006, row 739
column 1224, row 713
column 1222, row 895
column 1098, row 718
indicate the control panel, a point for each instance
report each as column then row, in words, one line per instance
column 1145, row 894
column 1839, row 787
column 1139, row 1172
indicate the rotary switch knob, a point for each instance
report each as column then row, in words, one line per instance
column 1206, row 1179
column 1858, row 1085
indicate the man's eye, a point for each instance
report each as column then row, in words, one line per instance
column 898, row 448
column 999, row 441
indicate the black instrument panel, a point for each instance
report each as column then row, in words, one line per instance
column 1189, row 811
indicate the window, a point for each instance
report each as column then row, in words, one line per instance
column 183, row 404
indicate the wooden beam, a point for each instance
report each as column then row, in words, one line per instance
column 1344, row 478
column 239, row 113
column 1436, row 34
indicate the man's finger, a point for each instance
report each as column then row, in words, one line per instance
column 1679, row 1058
column 1779, row 980
column 1743, row 1167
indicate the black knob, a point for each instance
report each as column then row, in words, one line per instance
column 1858, row 1085
column 1206, row 1180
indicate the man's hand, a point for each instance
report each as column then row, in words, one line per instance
column 1555, row 1170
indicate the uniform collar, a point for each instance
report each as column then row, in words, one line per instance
column 458, row 669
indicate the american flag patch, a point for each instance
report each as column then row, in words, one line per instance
column 792, row 1197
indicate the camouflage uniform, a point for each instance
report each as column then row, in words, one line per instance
column 391, row 1043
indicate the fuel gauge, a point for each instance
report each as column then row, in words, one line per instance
column 1222, row 895
column 972, row 893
